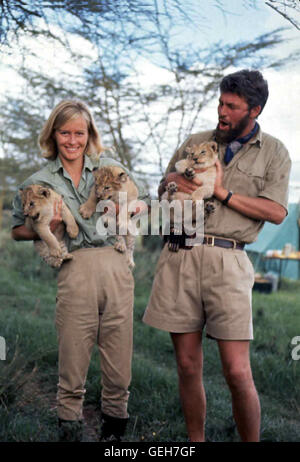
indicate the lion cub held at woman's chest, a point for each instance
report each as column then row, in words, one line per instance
column 109, row 182
column 38, row 206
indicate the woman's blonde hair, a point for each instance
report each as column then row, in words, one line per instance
column 62, row 113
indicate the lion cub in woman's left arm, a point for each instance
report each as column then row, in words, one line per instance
column 38, row 207
column 109, row 182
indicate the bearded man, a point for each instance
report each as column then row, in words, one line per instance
column 210, row 285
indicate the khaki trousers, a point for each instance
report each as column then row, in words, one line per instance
column 94, row 307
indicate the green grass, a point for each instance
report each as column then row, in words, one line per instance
column 28, row 377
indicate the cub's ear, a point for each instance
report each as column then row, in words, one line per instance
column 44, row 192
column 122, row 177
column 188, row 152
column 23, row 194
column 214, row 146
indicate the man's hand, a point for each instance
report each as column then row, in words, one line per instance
column 219, row 191
column 57, row 217
column 183, row 184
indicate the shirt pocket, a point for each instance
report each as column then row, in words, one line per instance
column 249, row 178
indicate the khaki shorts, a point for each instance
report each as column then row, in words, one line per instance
column 204, row 286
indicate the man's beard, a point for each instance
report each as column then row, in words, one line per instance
column 227, row 136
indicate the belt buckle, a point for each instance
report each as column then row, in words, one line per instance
column 212, row 243
column 234, row 244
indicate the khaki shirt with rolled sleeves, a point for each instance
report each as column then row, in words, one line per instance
column 260, row 169
column 56, row 177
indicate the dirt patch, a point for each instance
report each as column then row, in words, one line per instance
column 33, row 393
column 91, row 430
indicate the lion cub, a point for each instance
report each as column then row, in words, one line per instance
column 201, row 157
column 199, row 163
column 38, row 205
column 109, row 182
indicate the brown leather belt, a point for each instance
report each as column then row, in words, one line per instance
column 225, row 243
column 176, row 242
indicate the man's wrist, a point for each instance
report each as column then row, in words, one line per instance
column 221, row 193
column 227, row 198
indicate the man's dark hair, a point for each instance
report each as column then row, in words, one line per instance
column 248, row 84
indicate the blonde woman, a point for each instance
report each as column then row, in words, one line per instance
column 95, row 289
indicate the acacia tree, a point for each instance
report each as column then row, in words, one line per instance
column 140, row 121
column 143, row 120
column 289, row 9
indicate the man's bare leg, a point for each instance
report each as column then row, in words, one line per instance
column 189, row 357
column 245, row 402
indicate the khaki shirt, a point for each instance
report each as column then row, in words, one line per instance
column 56, row 177
column 260, row 169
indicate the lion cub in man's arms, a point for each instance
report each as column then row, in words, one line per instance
column 38, row 205
column 109, row 182
column 199, row 163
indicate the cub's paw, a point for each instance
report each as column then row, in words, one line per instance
column 209, row 208
column 131, row 263
column 120, row 247
column 175, row 238
column 171, row 187
column 85, row 211
column 68, row 256
column 56, row 253
column 189, row 173
column 54, row 262
column 73, row 230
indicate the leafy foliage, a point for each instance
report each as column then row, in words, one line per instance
column 127, row 59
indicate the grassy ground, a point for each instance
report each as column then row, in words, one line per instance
column 28, row 376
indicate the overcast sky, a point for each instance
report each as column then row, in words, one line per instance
column 281, row 116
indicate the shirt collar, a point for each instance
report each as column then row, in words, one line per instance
column 56, row 164
column 88, row 164
column 257, row 138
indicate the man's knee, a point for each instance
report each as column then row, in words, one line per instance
column 189, row 366
column 238, row 378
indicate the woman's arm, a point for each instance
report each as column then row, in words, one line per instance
column 22, row 233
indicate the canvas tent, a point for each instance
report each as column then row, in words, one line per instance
column 275, row 237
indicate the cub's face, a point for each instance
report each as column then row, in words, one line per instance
column 33, row 199
column 202, row 155
column 108, row 182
